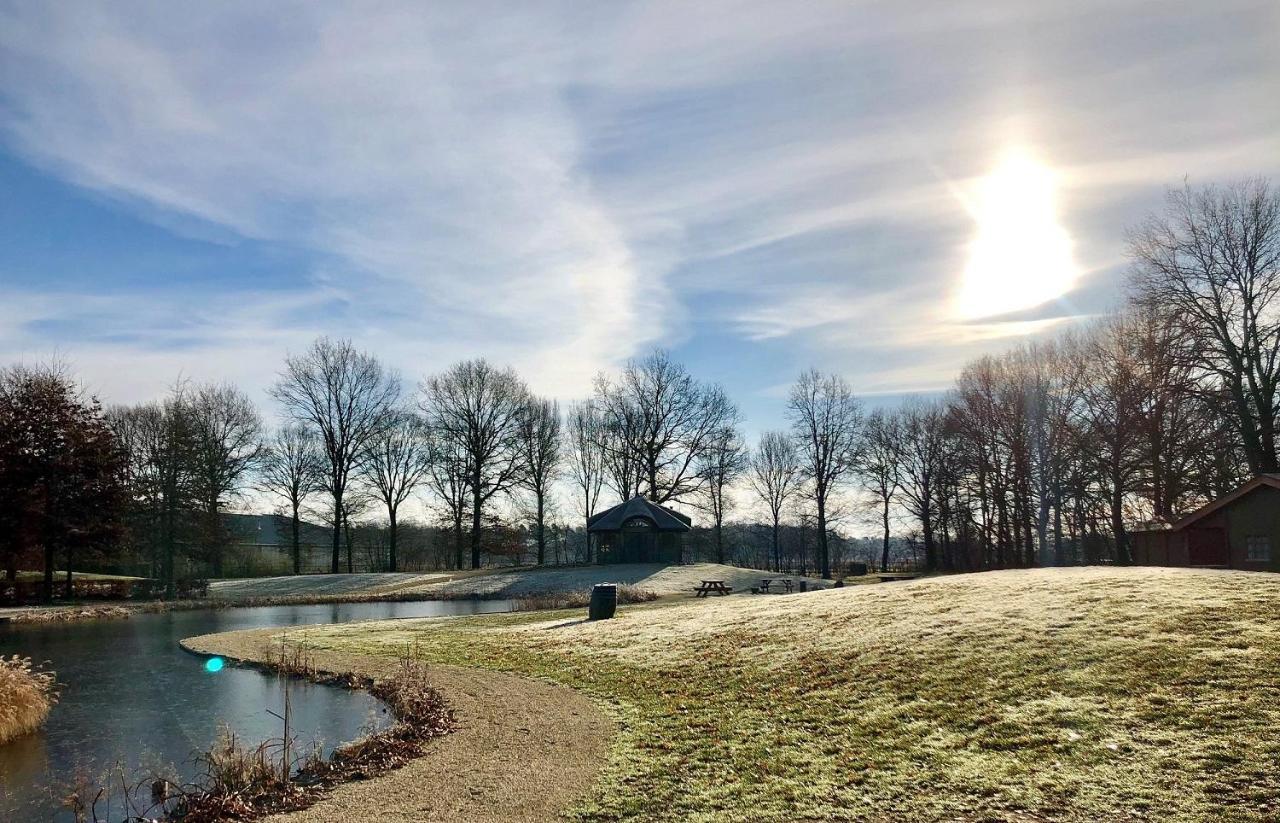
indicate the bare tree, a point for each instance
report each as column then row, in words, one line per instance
column 346, row 396
column 658, row 415
column 720, row 465
column 542, row 453
column 396, row 461
column 160, row 444
column 477, row 409
column 918, row 454
column 228, row 444
column 292, row 468
column 448, row 482
column 775, row 478
column 586, row 459
column 826, row 421
column 1213, row 258
column 879, row 469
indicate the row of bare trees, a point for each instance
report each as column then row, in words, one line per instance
column 1052, row 452
column 1049, row 453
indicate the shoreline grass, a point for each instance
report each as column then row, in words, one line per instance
column 27, row 694
column 1073, row 695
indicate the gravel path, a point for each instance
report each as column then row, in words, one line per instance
column 525, row 750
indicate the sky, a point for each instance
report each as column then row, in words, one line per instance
column 883, row 190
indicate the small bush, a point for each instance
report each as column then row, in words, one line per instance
column 26, row 696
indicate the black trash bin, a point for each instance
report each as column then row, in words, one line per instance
column 604, row 601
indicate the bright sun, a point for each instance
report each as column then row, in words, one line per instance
column 1021, row 256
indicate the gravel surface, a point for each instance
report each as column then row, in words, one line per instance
column 524, row 750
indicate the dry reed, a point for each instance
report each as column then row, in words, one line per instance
column 26, row 696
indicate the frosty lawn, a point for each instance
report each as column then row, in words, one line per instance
column 1080, row 694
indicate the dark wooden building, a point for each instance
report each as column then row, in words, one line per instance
column 1240, row 530
column 639, row 531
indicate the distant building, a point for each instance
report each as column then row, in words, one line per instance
column 1240, row 530
column 639, row 531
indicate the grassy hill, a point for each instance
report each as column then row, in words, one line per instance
column 1075, row 694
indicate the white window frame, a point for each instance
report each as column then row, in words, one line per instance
column 1258, row 548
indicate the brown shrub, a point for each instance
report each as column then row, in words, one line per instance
column 551, row 601
column 26, row 696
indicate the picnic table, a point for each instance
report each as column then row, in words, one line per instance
column 768, row 581
column 707, row 587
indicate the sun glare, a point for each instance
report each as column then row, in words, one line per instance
column 1021, row 256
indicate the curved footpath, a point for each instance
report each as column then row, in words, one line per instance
column 524, row 750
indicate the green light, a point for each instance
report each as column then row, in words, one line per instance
column 213, row 664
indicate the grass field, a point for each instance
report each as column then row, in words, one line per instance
column 1080, row 695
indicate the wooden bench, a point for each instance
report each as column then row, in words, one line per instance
column 707, row 587
column 767, row 582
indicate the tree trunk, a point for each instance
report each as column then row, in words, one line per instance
column 70, row 585
column 930, row 550
column 457, row 537
column 475, row 530
column 884, row 550
column 168, row 548
column 824, row 558
column 337, row 532
column 215, row 543
column 297, row 543
column 391, row 538
column 346, row 529
column 719, row 531
column 777, row 547
column 542, row 534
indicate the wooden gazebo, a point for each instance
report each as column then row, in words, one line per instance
column 639, row 531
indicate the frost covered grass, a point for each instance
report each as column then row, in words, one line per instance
column 26, row 696
column 1073, row 694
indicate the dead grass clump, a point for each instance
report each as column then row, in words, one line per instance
column 553, row 601
column 26, row 696
column 242, row 783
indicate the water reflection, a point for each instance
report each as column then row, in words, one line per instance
column 132, row 697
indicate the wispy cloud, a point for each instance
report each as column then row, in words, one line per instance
column 559, row 187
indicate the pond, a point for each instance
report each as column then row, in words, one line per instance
column 133, row 699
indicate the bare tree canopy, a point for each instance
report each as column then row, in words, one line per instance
column 660, row 417
column 775, row 478
column 879, row 469
column 542, row 451
column 586, row 455
column 346, row 396
column 448, row 481
column 919, row 456
column 477, row 409
column 159, row 441
column 720, row 465
column 227, row 444
column 826, row 422
column 292, row 469
column 396, row 461
column 1213, row 259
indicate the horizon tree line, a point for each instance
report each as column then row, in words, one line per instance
column 1050, row 453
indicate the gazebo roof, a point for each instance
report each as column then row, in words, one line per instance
column 664, row 519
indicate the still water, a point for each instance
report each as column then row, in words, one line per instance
column 132, row 698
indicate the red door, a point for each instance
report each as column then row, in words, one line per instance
column 1207, row 547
